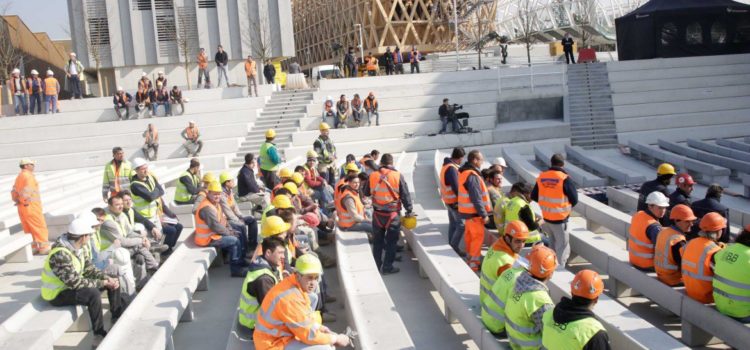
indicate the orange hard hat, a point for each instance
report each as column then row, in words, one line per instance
column 542, row 261
column 682, row 212
column 587, row 284
column 712, row 222
column 517, row 229
column 684, row 179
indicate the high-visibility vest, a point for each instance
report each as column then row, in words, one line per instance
column 371, row 105
column 345, row 218
column 326, row 155
column 141, row 205
column 665, row 265
column 202, row 61
column 265, row 161
column 266, row 212
column 522, row 332
column 203, row 233
column 21, row 82
column 337, row 189
column 511, row 213
column 552, row 199
column 446, row 191
column 696, row 268
column 384, row 187
column 498, row 212
column 25, row 189
column 568, row 336
column 493, row 307
column 640, row 247
column 249, row 304
column 229, row 196
column 732, row 281
column 52, row 286
column 117, row 179
column 192, row 133
column 276, row 188
column 181, row 193
column 50, row 86
column 498, row 255
column 465, row 206
column 105, row 242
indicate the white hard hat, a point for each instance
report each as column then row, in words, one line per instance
column 34, row 72
column 501, row 162
column 89, row 217
column 329, row 98
column 139, row 162
column 82, row 226
column 50, row 72
column 119, row 88
column 161, row 73
column 657, row 198
column 72, row 53
column 16, row 71
column 144, row 74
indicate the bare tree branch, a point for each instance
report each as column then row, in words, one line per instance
column 185, row 37
column 10, row 53
column 527, row 18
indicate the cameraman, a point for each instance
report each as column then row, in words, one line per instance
column 447, row 114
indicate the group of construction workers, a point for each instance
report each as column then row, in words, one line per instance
column 31, row 93
column 352, row 113
column 666, row 236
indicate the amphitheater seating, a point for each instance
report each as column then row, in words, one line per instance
column 614, row 172
column 740, row 146
column 703, row 172
column 38, row 324
column 736, row 166
column 16, row 247
column 746, row 184
column 581, row 177
column 720, row 150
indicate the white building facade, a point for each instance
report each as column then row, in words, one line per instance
column 130, row 37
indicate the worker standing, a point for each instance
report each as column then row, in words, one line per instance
column 117, row 174
column 389, row 192
column 251, row 72
column 269, row 160
column 529, row 300
column 698, row 258
column 449, row 195
column 571, row 324
column 26, row 196
column 474, row 207
column 262, row 275
column 644, row 229
column 51, row 90
column 518, row 208
column 731, row 281
column 500, row 257
column 669, row 245
column 189, row 184
column 556, row 195
column 286, row 319
column 664, row 174
column 326, row 154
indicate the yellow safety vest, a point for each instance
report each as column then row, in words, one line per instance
column 52, row 286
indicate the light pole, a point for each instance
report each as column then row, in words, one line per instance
column 361, row 45
column 455, row 28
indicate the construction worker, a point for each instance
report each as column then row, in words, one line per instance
column 203, row 69
column 664, row 174
column 644, row 229
column 206, row 180
column 474, row 207
column 326, row 151
column 494, row 181
column 248, row 189
column 275, row 226
column 284, row 175
column 286, row 319
column 189, row 184
column 280, row 203
column 731, row 281
column 711, row 203
column 246, row 225
column 262, row 275
column 18, row 90
column 350, row 169
column 571, row 324
column 493, row 307
column 322, row 190
column 193, row 145
column 117, row 174
column 212, row 230
column 681, row 194
column 36, row 92
column 698, row 258
column 350, row 159
column 26, row 196
column 449, row 195
column 557, row 195
column 349, row 208
column 529, row 299
column 51, row 90
column 500, row 257
column 669, row 244
column 518, row 208
column 389, row 193
column 70, row 278
column 147, row 192
column 135, row 217
column 251, row 72
column 117, row 227
column 269, row 160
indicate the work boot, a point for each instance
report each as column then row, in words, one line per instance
column 43, row 249
column 390, row 271
column 159, row 248
column 97, row 340
column 326, row 260
column 328, row 317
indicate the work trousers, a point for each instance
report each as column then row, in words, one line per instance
column 415, row 66
column 474, row 237
column 75, row 86
column 328, row 173
column 147, row 150
column 193, row 147
column 569, row 57
column 222, row 71
column 92, row 299
column 559, row 239
column 251, row 82
column 119, row 108
column 369, row 118
column 231, row 245
column 455, row 228
column 386, row 228
column 201, row 73
column 50, row 104
column 167, row 108
column 182, row 107
column 35, row 100
column 20, row 102
column 269, row 178
column 171, row 233
column 261, row 199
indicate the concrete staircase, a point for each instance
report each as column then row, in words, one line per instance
column 282, row 113
column 592, row 119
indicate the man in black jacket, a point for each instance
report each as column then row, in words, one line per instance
column 710, row 204
column 222, row 59
column 567, row 44
column 248, row 189
column 447, row 114
column 269, row 72
column 350, row 64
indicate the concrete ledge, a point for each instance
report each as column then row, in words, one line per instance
column 16, row 248
column 666, row 63
column 520, row 165
column 680, row 94
column 682, row 133
column 735, row 166
column 684, row 82
column 616, row 173
column 705, row 173
column 719, row 150
column 678, row 107
column 740, row 146
column 623, row 199
column 581, row 177
column 38, row 325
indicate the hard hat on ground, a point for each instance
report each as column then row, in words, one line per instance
column 224, row 177
column 351, row 167
column 324, row 126
column 214, row 186
column 292, row 188
column 409, row 222
column 312, row 154
column 270, row 133
column 308, row 264
column 26, row 161
column 658, row 199
column 298, row 178
column 684, row 179
column 517, row 229
column 80, row 227
column 209, row 177
column 542, row 261
column 712, row 222
column 282, row 201
column 273, row 225
column 682, row 212
column 587, row 284
column 665, row 169
column 139, row 162
column 285, row 173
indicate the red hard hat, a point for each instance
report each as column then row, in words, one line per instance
column 684, row 179
column 311, row 219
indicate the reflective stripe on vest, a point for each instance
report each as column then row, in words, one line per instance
column 248, row 313
column 493, row 307
column 51, row 284
column 666, row 267
column 203, row 233
column 384, row 187
column 696, row 268
column 346, row 219
column 491, row 263
column 117, row 178
column 50, row 86
column 512, row 213
column 465, row 205
column 446, row 191
column 521, row 329
column 104, row 242
column 552, row 199
column 141, row 205
column 181, row 193
column 572, row 335
column 732, row 281
column 640, row 247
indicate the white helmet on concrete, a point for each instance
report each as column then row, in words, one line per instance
column 658, row 199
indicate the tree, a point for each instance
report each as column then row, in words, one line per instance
column 185, row 37
column 584, row 19
column 527, row 19
column 259, row 37
column 94, row 45
column 10, row 54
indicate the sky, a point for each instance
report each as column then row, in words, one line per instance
column 49, row 16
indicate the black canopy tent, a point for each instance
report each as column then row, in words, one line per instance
column 679, row 28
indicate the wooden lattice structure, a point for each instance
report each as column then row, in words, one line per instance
column 321, row 25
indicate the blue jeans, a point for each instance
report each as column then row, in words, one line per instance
column 171, row 233
column 249, row 232
column 20, row 102
column 35, row 100
column 455, row 228
column 364, row 226
column 386, row 228
column 50, row 99
column 323, row 196
column 454, row 124
column 222, row 70
column 369, row 117
column 75, row 86
column 231, row 245
column 167, row 108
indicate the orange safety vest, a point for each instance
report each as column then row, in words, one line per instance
column 640, row 248
column 276, row 188
column 665, row 265
column 25, row 194
column 336, row 189
column 50, row 86
column 697, row 272
column 202, row 61
column 372, row 63
column 250, row 68
column 203, row 233
column 552, row 199
column 371, row 105
column 465, row 206
column 446, row 191
column 384, row 187
column 191, row 133
column 346, row 219
column 12, row 83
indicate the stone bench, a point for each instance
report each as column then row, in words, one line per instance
column 616, row 173
column 719, row 150
column 37, row 325
column 740, row 146
column 166, row 300
column 703, row 172
column 581, row 177
column 520, row 165
column 623, row 199
column 735, row 166
column 16, row 248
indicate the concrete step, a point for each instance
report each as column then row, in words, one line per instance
column 277, row 123
column 281, row 114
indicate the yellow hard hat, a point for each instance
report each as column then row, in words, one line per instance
column 308, row 264
column 292, row 188
column 282, row 201
column 312, row 154
column 209, row 177
column 285, row 173
column 273, row 225
column 665, row 169
column 351, row 167
column 270, row 133
column 214, row 186
column 409, row 222
column 324, row 126
column 224, row 177
column 298, row 178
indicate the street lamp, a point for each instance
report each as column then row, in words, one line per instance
column 361, row 46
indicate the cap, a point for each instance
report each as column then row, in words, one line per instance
column 657, row 198
column 139, row 162
column 311, row 219
column 26, row 161
column 684, row 179
column 311, row 154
